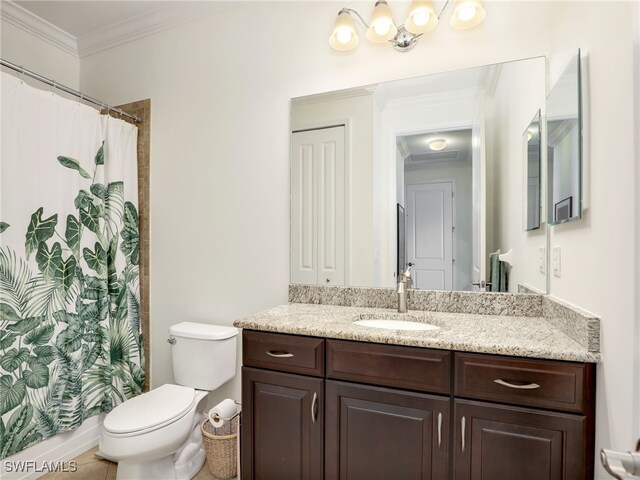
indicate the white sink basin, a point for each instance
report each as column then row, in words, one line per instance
column 395, row 324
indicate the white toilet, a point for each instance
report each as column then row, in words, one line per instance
column 157, row 434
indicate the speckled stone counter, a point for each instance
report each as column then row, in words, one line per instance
column 497, row 334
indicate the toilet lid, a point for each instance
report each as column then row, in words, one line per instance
column 159, row 406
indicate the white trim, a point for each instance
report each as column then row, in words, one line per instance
column 59, row 448
column 112, row 35
column 148, row 23
column 22, row 18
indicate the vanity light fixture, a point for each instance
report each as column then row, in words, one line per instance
column 382, row 28
column 438, row 144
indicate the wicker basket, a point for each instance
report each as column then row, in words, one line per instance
column 221, row 447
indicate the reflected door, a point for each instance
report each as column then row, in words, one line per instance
column 318, row 206
column 430, row 234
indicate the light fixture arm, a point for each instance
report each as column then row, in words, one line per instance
column 446, row 4
column 365, row 25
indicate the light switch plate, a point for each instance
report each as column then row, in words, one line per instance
column 556, row 261
column 542, row 254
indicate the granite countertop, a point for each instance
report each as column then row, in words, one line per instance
column 498, row 334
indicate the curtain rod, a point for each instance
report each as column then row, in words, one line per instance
column 63, row 88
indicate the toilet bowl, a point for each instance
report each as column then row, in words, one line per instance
column 157, row 434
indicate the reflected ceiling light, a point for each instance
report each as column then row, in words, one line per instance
column 382, row 28
column 467, row 14
column 438, row 144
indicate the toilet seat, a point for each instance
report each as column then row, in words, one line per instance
column 150, row 411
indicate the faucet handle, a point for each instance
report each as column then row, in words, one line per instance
column 407, row 272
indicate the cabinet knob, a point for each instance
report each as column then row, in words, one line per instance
column 328, row 280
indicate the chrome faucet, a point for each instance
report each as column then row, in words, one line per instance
column 404, row 284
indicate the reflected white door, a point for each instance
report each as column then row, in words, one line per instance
column 318, row 206
column 430, row 234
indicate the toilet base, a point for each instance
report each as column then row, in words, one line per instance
column 182, row 465
column 163, row 469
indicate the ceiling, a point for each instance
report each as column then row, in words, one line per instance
column 85, row 27
column 416, row 152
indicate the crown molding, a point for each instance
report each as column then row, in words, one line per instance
column 29, row 22
column 154, row 21
column 148, row 23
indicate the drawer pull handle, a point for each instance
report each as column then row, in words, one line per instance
column 439, row 429
column 314, row 408
column 528, row 386
column 279, row 354
column 463, row 424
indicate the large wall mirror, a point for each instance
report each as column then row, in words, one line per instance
column 426, row 171
column 564, row 146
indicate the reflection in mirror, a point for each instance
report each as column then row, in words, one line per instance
column 437, row 190
column 533, row 159
column 564, row 146
column 425, row 171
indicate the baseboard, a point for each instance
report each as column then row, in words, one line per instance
column 59, row 448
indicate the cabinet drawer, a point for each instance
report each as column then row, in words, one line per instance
column 287, row 353
column 390, row 365
column 539, row 383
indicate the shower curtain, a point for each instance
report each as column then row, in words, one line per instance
column 70, row 338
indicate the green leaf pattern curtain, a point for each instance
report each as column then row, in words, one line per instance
column 70, row 338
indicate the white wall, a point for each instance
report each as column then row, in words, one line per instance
column 511, row 111
column 599, row 251
column 219, row 174
column 357, row 112
column 32, row 53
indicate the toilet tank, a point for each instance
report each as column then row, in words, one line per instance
column 203, row 355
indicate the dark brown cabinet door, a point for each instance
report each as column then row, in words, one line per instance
column 375, row 433
column 282, row 426
column 497, row 442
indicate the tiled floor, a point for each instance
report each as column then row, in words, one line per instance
column 91, row 467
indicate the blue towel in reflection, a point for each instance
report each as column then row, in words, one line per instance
column 498, row 273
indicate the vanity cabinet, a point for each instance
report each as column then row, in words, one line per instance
column 379, row 433
column 283, row 413
column 493, row 441
column 282, row 426
column 376, row 432
column 322, row 408
column 534, row 420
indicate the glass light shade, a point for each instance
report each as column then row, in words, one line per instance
column 438, row 144
column 382, row 27
column 344, row 36
column 422, row 17
column 467, row 14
